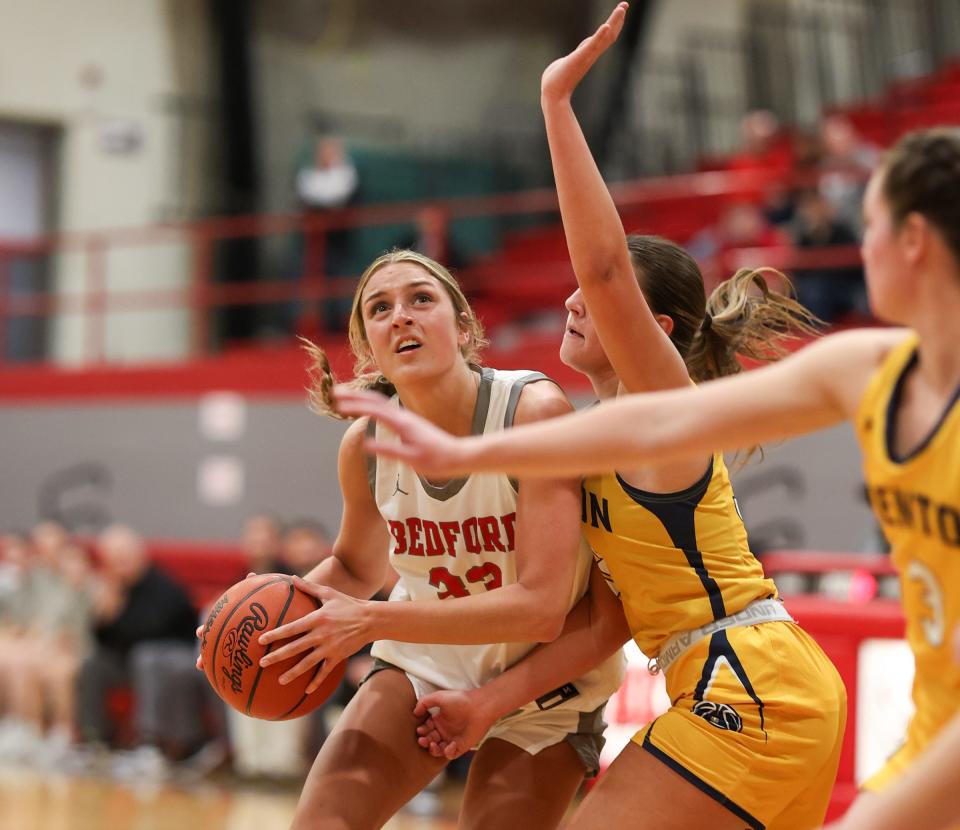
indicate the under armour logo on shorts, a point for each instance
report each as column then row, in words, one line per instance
column 718, row 714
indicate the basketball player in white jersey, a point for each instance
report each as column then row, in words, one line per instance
column 505, row 558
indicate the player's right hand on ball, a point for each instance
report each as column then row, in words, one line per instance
column 453, row 723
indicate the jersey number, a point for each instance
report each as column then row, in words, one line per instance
column 450, row 585
column 932, row 598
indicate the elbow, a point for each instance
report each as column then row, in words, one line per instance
column 597, row 271
column 550, row 625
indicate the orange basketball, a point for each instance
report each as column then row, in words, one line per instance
column 231, row 650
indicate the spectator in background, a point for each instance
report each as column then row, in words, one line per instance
column 16, row 561
column 741, row 226
column 763, row 147
column 278, row 749
column 261, row 541
column 847, row 163
column 326, row 181
column 829, row 291
column 780, row 196
column 47, row 635
column 144, row 637
column 306, row 543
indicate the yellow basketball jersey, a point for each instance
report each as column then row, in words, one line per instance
column 916, row 499
column 678, row 560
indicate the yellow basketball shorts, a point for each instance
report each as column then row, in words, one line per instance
column 757, row 723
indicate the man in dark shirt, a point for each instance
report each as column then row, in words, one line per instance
column 144, row 630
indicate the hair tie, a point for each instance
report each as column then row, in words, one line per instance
column 707, row 323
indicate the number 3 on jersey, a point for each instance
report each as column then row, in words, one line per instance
column 451, row 585
column 932, row 598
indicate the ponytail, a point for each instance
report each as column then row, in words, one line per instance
column 322, row 380
column 741, row 322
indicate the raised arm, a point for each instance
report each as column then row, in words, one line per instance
column 592, row 631
column 812, row 389
column 638, row 348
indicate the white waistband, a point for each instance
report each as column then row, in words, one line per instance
column 758, row 611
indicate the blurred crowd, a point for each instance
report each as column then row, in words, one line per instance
column 811, row 203
column 98, row 653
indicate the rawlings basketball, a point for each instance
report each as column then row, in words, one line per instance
column 231, row 649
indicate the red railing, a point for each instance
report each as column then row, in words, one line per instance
column 198, row 292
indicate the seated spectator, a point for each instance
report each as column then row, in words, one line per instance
column 278, row 749
column 16, row 561
column 40, row 661
column 781, row 195
column 847, row 162
column 144, row 637
column 829, row 291
column 763, row 147
column 306, row 543
column 261, row 541
column 741, row 227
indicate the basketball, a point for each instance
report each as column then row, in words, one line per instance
column 231, row 650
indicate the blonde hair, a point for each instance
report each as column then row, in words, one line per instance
column 366, row 376
column 743, row 316
column 742, row 322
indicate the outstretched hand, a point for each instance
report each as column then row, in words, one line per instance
column 423, row 446
column 453, row 723
column 562, row 76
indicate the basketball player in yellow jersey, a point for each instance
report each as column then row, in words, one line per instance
column 754, row 735
column 899, row 388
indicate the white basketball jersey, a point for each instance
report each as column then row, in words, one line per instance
column 458, row 539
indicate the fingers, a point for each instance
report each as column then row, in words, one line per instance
column 286, row 651
column 608, row 32
column 452, row 751
column 199, row 631
column 358, row 402
column 312, row 588
column 304, row 665
column 400, row 452
column 320, row 676
column 200, row 663
column 292, row 629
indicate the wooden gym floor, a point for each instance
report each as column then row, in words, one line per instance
column 33, row 801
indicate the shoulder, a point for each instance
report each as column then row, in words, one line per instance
column 844, row 364
column 353, row 438
column 540, row 400
column 353, row 458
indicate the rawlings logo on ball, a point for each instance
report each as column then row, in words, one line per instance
column 213, row 616
column 237, row 641
column 719, row 714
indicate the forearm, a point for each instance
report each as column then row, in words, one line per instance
column 512, row 613
column 591, row 223
column 927, row 797
column 655, row 428
column 335, row 573
column 587, row 639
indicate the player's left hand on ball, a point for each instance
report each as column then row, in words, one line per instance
column 330, row 634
